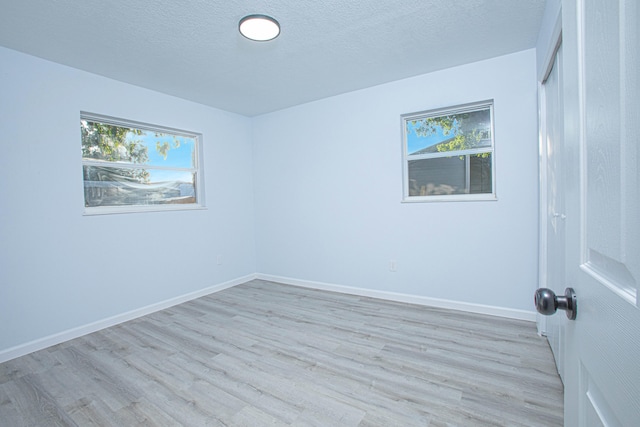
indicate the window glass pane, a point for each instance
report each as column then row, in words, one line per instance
column 480, row 174
column 112, row 143
column 470, row 174
column 113, row 186
column 451, row 132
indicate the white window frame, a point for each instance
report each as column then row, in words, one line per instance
column 198, row 169
column 406, row 157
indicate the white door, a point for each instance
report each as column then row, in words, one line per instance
column 602, row 138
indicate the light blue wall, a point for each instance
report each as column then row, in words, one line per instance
column 310, row 193
column 328, row 186
column 61, row 270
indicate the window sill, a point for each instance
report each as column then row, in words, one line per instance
column 109, row 210
column 452, row 198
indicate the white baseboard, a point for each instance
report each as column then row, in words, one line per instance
column 541, row 323
column 42, row 343
column 39, row 344
column 411, row 299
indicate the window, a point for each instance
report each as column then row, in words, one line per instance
column 134, row 167
column 448, row 154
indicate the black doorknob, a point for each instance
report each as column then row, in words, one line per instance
column 548, row 303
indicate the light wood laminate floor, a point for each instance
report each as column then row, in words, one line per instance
column 263, row 354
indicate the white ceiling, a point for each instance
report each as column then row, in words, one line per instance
column 192, row 48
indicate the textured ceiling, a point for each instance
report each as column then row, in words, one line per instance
column 192, row 49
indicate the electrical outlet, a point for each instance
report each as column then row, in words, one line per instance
column 219, row 260
column 393, row 265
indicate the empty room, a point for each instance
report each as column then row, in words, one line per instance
column 319, row 213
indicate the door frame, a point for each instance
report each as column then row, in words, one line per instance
column 543, row 71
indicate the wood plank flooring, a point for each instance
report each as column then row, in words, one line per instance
column 263, row 354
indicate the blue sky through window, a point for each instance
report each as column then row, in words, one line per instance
column 417, row 143
column 177, row 157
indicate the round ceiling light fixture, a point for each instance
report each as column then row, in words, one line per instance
column 259, row 28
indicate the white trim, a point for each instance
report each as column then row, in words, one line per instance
column 479, row 150
column 542, row 191
column 116, row 121
column 407, row 298
column 478, row 197
column 541, row 324
column 554, row 43
column 108, row 210
column 42, row 343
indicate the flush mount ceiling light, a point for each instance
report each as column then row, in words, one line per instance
column 260, row 28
